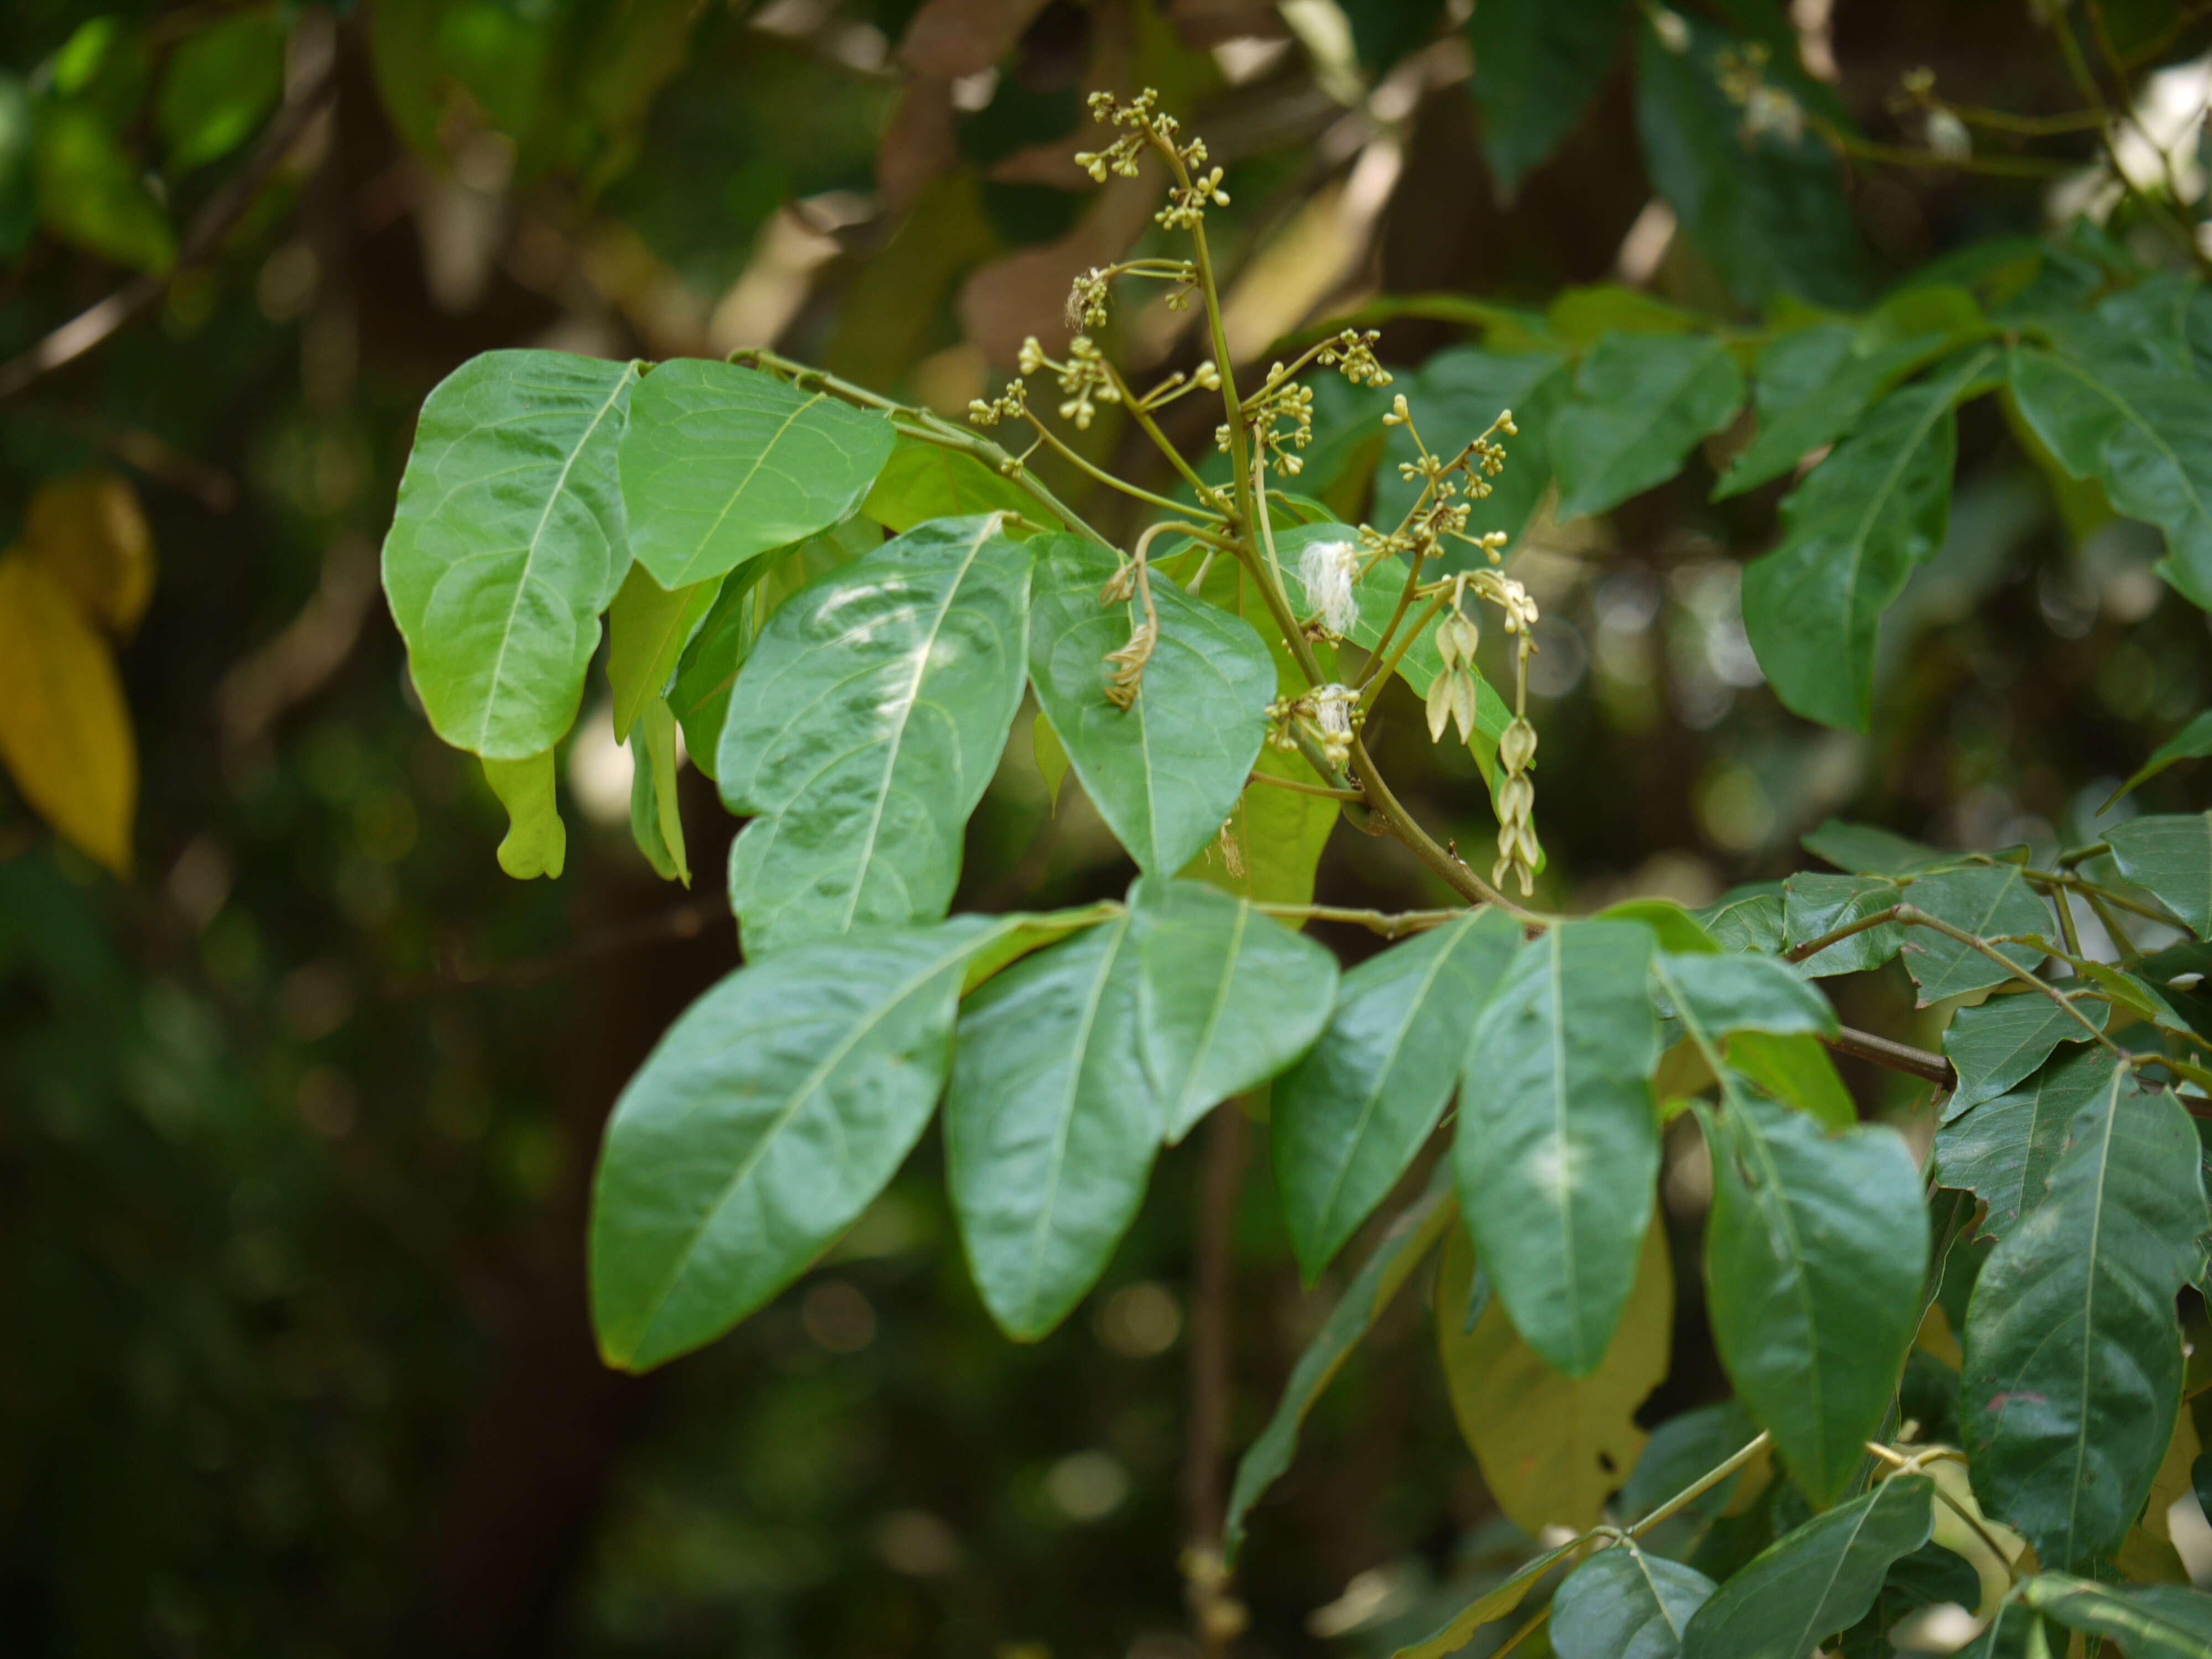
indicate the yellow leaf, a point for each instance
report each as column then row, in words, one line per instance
column 65, row 728
column 537, row 843
column 1553, row 1447
column 87, row 531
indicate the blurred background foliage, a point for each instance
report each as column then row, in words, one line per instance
column 299, row 1097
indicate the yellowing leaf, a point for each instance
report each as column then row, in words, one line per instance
column 1553, row 1447
column 65, row 728
column 87, row 531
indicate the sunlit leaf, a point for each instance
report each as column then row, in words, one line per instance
column 220, row 82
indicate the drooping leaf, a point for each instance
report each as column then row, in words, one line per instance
column 1230, row 996
column 1557, row 1143
column 1816, row 1581
column 1988, row 901
column 2172, row 856
column 655, row 823
column 1994, row 1045
column 2072, row 1354
column 1852, row 533
column 1794, row 1070
column 537, row 843
column 923, row 481
column 1348, row 1118
column 1742, row 991
column 64, row 727
column 647, row 628
column 1453, row 396
column 1641, row 402
column 90, row 531
column 218, row 85
column 1402, row 1250
column 1814, row 906
column 1815, row 1257
column 1496, row 1603
column 2192, row 742
column 1624, row 1604
column 2003, row 1149
column 2150, row 1621
column 1860, row 849
column 764, row 1123
column 506, row 543
column 1167, row 770
column 720, row 463
column 2145, row 435
column 1051, row 1124
column 864, row 728
column 1553, row 1447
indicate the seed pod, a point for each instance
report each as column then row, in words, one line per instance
column 1516, row 745
column 1439, row 707
column 1463, row 702
column 1517, row 798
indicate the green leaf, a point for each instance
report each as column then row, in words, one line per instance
column 1930, row 1575
column 1817, row 1580
column 1815, row 1257
column 2072, row 1354
column 1852, row 533
column 2003, row 1151
column 923, row 481
column 721, row 464
column 1552, row 1447
column 507, row 542
column 1673, row 926
column 1861, row 849
column 1278, row 834
column 1582, row 316
column 221, row 81
column 1813, row 387
column 1165, row 772
column 537, row 843
column 1796, row 1072
column 1051, row 1125
column 1641, row 403
column 1496, row 1603
column 1051, row 756
column 1624, row 1604
column 1231, row 996
column 747, row 598
column 1557, row 1145
column 1349, row 1117
column 1455, row 396
column 2172, row 856
column 1402, row 1250
column 764, row 1123
column 2192, row 742
column 647, row 628
column 1997, row 1044
column 1815, row 905
column 2145, row 436
column 655, row 822
column 1988, row 901
column 1770, row 211
column 92, row 191
column 1537, row 65
column 1741, row 992
column 864, row 728
column 2150, row 1621
column 1747, row 918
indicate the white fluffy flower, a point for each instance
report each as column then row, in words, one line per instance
column 1332, row 708
column 1325, row 571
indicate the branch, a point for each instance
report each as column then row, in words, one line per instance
column 1897, row 1056
column 95, row 325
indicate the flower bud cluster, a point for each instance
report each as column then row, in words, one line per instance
column 1010, row 405
column 1353, row 353
column 1281, row 419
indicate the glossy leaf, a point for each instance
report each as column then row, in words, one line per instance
column 764, row 1123
column 1557, row 1143
column 1349, row 1117
column 647, row 628
column 2170, row 855
column 2150, row 1621
column 1552, row 1447
column 1816, row 1581
column 864, row 728
column 1051, row 1124
column 537, row 843
column 923, row 481
column 1624, row 1604
column 1230, row 996
column 721, row 464
column 1455, row 396
column 1167, row 770
column 1537, row 64
column 1814, row 906
column 1641, row 402
column 1852, row 533
column 1815, row 1257
column 2073, row 1356
column 2145, row 435
column 1741, row 992
column 1988, row 901
column 506, row 543
column 64, row 727
column 1402, row 1250
column 2003, row 1149
column 1994, row 1046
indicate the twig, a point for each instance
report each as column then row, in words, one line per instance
column 94, row 326
column 1274, row 783
column 1375, row 921
column 1897, row 1056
